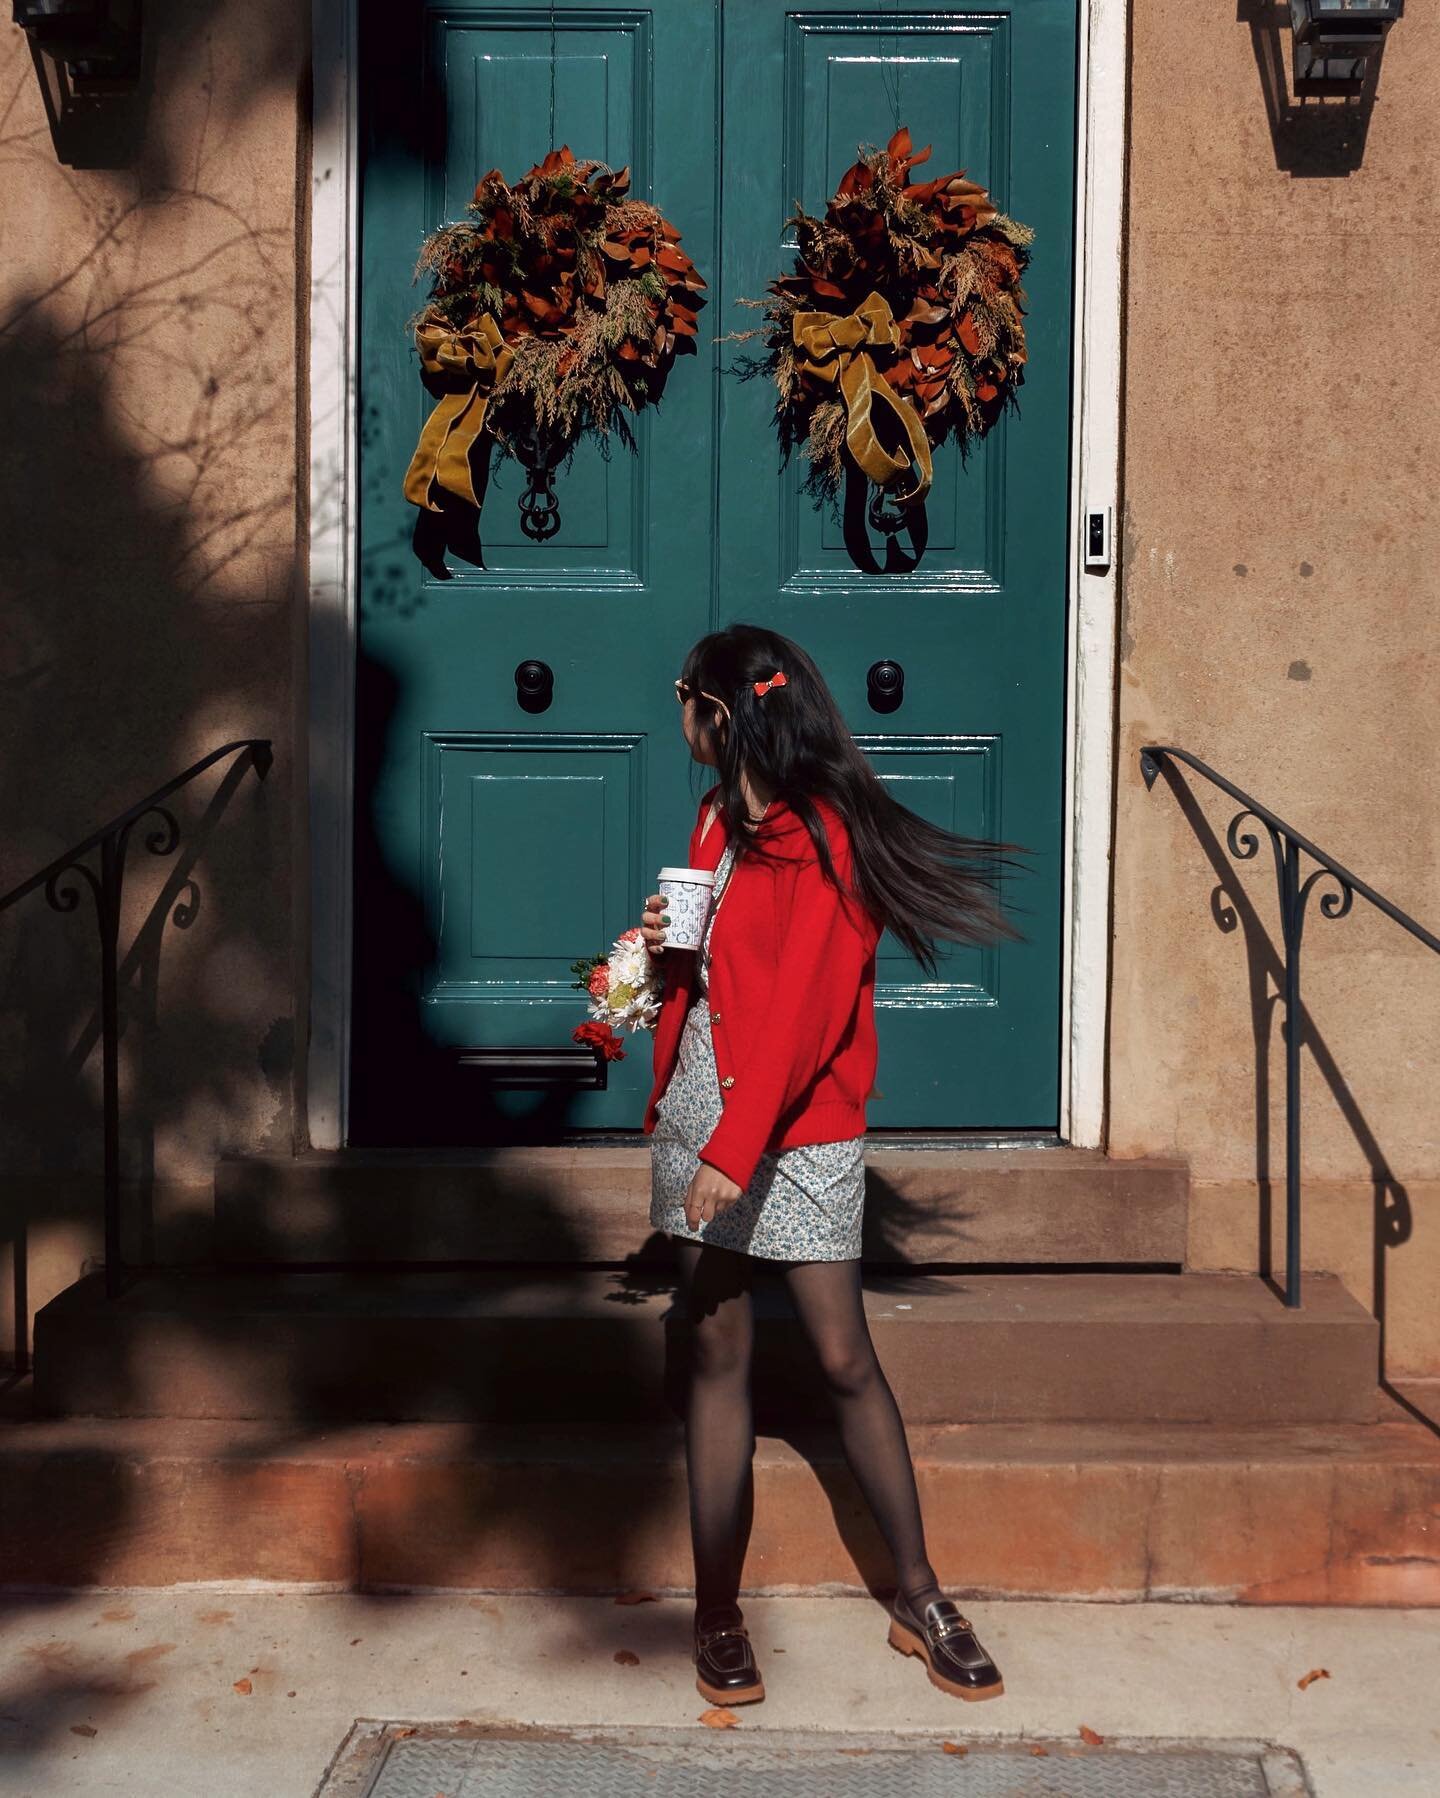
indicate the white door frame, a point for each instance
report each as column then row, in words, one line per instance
column 1102, row 135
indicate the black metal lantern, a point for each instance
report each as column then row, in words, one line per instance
column 1334, row 38
column 93, row 79
column 94, row 44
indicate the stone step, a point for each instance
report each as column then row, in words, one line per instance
column 492, row 1347
column 966, row 1207
column 1334, row 1514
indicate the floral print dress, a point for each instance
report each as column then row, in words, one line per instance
column 802, row 1204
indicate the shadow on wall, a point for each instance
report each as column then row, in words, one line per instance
column 147, row 562
column 1232, row 910
column 1312, row 137
column 147, row 569
column 148, row 511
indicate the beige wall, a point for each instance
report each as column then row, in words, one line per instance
column 148, row 520
column 1280, row 574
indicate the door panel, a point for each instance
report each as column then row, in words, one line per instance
column 979, row 624
column 501, row 927
column 495, row 844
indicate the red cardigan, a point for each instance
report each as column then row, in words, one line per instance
column 792, row 985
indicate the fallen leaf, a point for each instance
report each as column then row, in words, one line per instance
column 289, row 1694
column 121, row 1614
column 626, row 1657
column 1039, row 1750
column 777, row 1651
column 719, row 1718
column 1314, row 1674
column 356, row 1639
column 636, row 1598
column 408, row 1730
column 243, row 1687
column 1091, row 1736
column 82, row 1729
column 954, row 1748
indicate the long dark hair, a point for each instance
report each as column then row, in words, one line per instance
column 926, row 884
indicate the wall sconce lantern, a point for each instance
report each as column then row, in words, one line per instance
column 1332, row 39
column 93, row 46
column 87, row 57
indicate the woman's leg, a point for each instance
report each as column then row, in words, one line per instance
column 827, row 1297
column 719, row 1428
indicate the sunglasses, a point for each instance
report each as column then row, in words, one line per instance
column 684, row 693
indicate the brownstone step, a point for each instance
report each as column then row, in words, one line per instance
column 506, row 1347
column 1340, row 1514
column 967, row 1207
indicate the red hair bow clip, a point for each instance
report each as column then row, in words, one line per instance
column 762, row 687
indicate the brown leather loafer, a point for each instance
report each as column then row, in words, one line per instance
column 949, row 1646
column 725, row 1670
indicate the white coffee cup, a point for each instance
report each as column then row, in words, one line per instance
column 686, row 892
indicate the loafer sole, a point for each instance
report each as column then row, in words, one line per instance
column 731, row 1695
column 909, row 1643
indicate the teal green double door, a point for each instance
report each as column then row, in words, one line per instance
column 497, row 842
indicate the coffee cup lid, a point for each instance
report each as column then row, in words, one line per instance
column 695, row 877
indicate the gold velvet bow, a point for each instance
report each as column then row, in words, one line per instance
column 473, row 361
column 838, row 349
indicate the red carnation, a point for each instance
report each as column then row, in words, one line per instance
column 601, row 1038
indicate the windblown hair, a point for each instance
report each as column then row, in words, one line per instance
column 928, row 885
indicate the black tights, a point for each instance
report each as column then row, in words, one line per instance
column 719, row 1426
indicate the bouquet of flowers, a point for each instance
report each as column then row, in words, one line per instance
column 624, row 988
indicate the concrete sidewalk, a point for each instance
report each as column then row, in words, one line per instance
column 136, row 1693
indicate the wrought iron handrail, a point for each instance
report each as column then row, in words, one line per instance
column 1288, row 845
column 106, row 886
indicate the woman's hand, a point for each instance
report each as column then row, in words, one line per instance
column 652, row 924
column 710, row 1192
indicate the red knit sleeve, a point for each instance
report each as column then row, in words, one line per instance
column 826, row 944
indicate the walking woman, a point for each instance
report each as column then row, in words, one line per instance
column 765, row 1055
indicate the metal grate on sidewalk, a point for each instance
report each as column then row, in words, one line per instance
column 428, row 1761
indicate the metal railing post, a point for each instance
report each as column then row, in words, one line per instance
column 1292, row 934
column 107, row 912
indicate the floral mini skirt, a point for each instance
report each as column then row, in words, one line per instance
column 802, row 1204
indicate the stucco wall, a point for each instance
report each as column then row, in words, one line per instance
column 148, row 527
column 1280, row 576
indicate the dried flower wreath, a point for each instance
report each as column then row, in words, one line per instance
column 558, row 307
column 900, row 327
